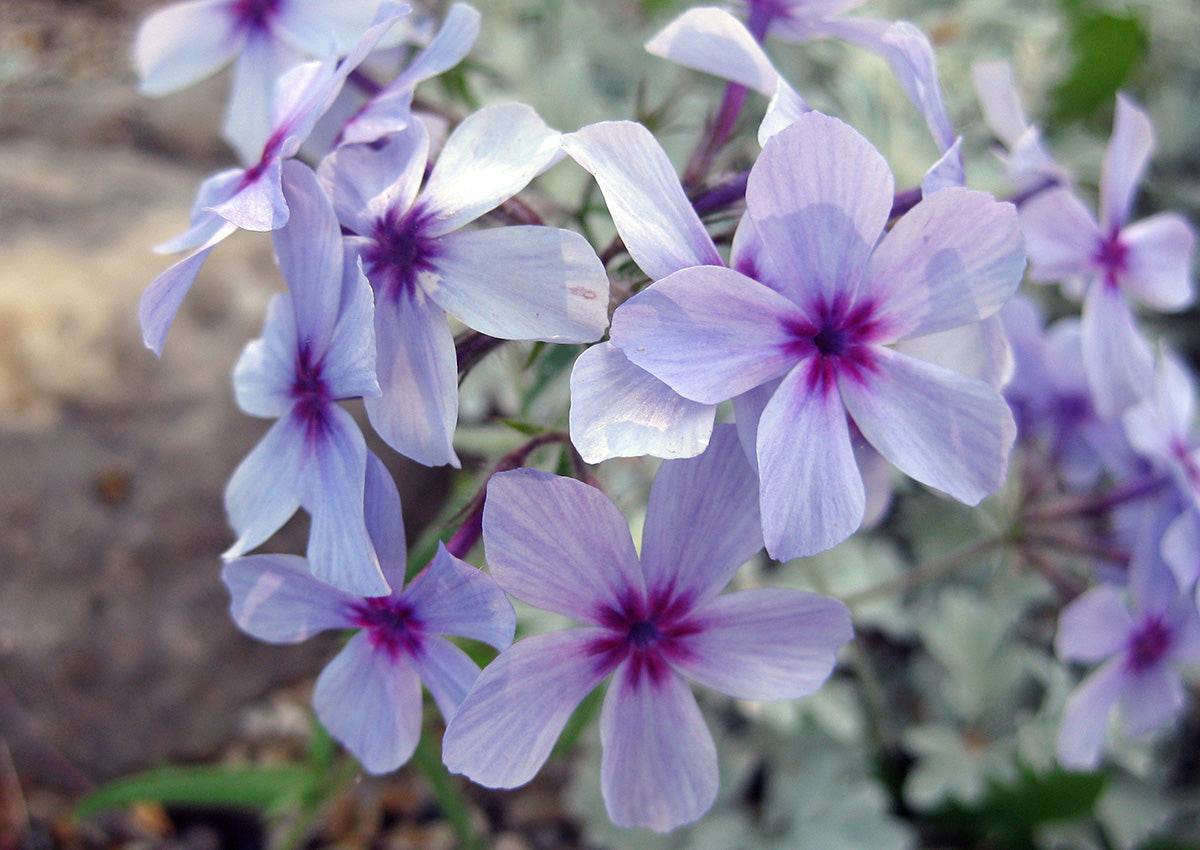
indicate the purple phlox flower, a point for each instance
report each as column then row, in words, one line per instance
column 1051, row 400
column 390, row 110
column 561, row 545
column 519, row 282
column 1149, row 261
column 185, row 42
column 822, row 312
column 369, row 696
column 317, row 346
column 618, row 409
column 1160, row 428
column 1027, row 161
column 713, row 41
column 251, row 198
column 1143, row 638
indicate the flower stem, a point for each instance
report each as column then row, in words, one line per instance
column 928, row 571
column 1074, row 507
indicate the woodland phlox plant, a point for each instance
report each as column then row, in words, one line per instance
column 784, row 333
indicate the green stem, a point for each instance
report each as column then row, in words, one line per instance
column 449, row 798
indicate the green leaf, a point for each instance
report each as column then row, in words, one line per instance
column 261, row 788
column 522, row 427
column 1106, row 50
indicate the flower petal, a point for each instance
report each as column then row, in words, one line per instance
column 370, row 700
column 712, row 41
column 504, row 730
column 418, row 374
column 765, row 644
column 451, row 597
column 1060, row 235
column 263, row 492
column 252, row 94
column 384, row 518
column 978, row 350
column 266, row 371
column 702, row 521
column 1094, row 626
column 339, row 547
column 1181, row 548
column 521, row 283
column 1159, row 270
column 811, row 491
column 276, row 599
column 620, row 410
column 325, row 27
column 161, row 300
column 941, row 428
column 709, row 333
column 449, row 46
column 182, row 44
column 1151, row 700
column 953, row 259
column 658, row 768
column 490, row 156
column 447, row 671
column 213, row 190
column 1085, row 718
column 259, row 205
column 645, row 199
column 309, row 251
column 819, row 196
column 558, row 544
column 349, row 362
column 1119, row 364
column 1003, row 112
column 1125, row 161
column 365, row 181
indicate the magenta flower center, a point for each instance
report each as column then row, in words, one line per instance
column 839, row 335
column 1112, row 257
column 255, row 14
column 391, row 625
column 1149, row 644
column 648, row 633
column 310, row 392
column 400, row 250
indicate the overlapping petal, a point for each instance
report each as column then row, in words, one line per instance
column 276, row 599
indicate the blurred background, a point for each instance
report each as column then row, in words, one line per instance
column 116, row 651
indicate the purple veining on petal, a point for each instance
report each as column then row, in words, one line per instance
column 254, row 15
column 649, row 632
column 840, row 334
column 399, row 251
column 1187, row 463
column 1112, row 256
column 1148, row 644
column 391, row 625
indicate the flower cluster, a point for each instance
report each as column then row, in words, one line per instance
column 852, row 329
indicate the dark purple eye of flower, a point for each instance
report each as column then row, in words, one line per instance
column 255, row 14
column 649, row 633
column 1112, row 256
column 309, row 389
column 830, row 341
column 643, row 634
column 400, row 251
column 391, row 625
column 1149, row 644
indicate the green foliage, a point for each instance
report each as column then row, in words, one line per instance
column 1106, row 49
column 1010, row 814
column 266, row 789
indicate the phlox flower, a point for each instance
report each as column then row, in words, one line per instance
column 251, row 198
column 183, row 43
column 1160, row 427
column 1052, row 403
column 369, row 697
column 317, row 346
column 823, row 312
column 712, row 41
column 561, row 545
column 1141, row 638
column 1149, row 261
column 518, row 282
column 1027, row 161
